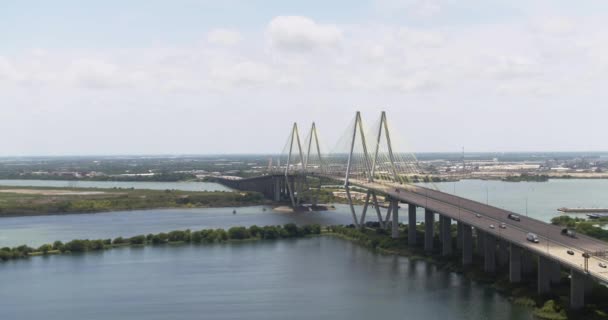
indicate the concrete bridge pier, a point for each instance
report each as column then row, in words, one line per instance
column 514, row 264
column 489, row 262
column 440, row 227
column 459, row 226
column 544, row 275
column 411, row 225
column 480, row 242
column 467, row 245
column 277, row 189
column 446, row 236
column 556, row 272
column 589, row 284
column 395, row 222
column 429, row 226
column 577, row 289
column 503, row 253
column 527, row 263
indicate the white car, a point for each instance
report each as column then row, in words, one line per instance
column 491, row 226
column 502, row 225
column 602, row 265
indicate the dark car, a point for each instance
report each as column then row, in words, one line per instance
column 570, row 252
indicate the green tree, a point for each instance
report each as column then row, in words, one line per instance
column 270, row 232
column 45, row 248
column 119, row 241
column 96, row 245
column 58, row 245
column 238, row 233
column 76, row 246
column 138, row 240
column 291, row 230
column 254, row 230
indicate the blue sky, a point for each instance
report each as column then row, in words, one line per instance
column 141, row 77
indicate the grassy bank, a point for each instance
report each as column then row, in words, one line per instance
column 24, row 201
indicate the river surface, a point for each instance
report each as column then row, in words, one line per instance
column 313, row 278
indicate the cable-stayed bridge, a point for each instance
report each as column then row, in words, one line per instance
column 377, row 163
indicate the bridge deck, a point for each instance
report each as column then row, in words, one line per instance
column 552, row 244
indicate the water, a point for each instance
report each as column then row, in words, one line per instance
column 542, row 198
column 184, row 186
column 316, row 278
column 37, row 230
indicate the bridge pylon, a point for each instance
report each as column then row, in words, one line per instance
column 296, row 162
column 364, row 170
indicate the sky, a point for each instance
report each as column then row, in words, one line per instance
column 215, row 77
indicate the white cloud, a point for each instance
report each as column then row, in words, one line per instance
column 302, row 33
column 419, row 38
column 245, row 73
column 558, row 26
column 514, row 67
column 97, row 74
column 223, row 37
column 7, row 70
column 412, row 8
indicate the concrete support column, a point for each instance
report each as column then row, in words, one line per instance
column 514, row 264
column 467, row 245
column 459, row 226
column 480, row 241
column 589, row 284
column 556, row 272
column 489, row 255
column 527, row 263
column 503, row 253
column 277, row 189
column 446, row 240
column 411, row 225
column 544, row 275
column 429, row 226
column 395, row 224
column 577, row 289
column 440, row 228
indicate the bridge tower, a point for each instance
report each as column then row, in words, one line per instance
column 295, row 163
column 362, row 166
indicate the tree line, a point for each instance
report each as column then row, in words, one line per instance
column 254, row 232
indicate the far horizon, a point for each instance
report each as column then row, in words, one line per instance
column 428, row 153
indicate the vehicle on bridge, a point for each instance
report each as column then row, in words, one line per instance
column 532, row 237
column 569, row 232
column 513, row 217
